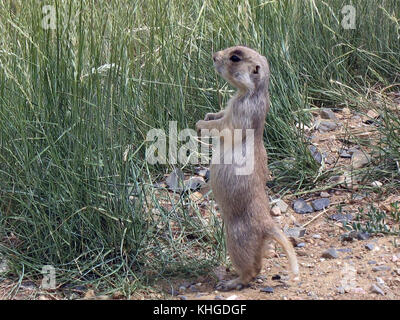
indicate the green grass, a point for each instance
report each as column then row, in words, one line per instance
column 66, row 122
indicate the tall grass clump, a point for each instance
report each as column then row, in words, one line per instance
column 77, row 101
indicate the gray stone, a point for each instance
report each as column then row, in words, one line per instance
column 325, row 126
column 295, row 232
column 302, row 207
column 345, row 154
column 282, row 205
column 331, row 253
column 267, row 290
column 320, row 204
column 300, row 245
column 316, row 154
column 324, row 194
column 345, row 250
column 327, row 114
column 341, row 217
column 370, row 246
column 376, row 289
column 359, row 159
column 381, row 268
column 182, row 297
column 194, row 183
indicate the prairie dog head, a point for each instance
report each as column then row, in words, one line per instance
column 242, row 67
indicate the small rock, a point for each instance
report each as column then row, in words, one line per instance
column 327, row 114
column 316, row 236
column 295, row 232
column 375, row 289
column 182, row 297
column 370, row 246
column 194, row 183
column 377, row 184
column 301, row 207
column 341, row 217
column 282, row 205
column 359, row 159
column 233, row 297
column 380, row 281
column 362, row 236
column 325, row 126
column 300, row 245
column 324, row 194
column 219, row 298
column 354, row 235
column 316, row 154
column 371, row 262
column 331, row 253
column 344, row 154
column 345, row 250
column 275, row 211
column 320, row 204
column 381, row 268
column 267, row 290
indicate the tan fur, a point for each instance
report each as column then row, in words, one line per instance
column 242, row 198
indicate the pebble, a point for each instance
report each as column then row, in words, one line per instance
column 267, row 290
column 282, row 205
column 375, row 289
column 316, row 154
column 371, row 262
column 324, row 194
column 345, row 154
column 341, row 217
column 320, row 204
column 182, row 297
column 325, row 126
column 194, row 184
column 331, row 253
column 377, row 184
column 316, row 236
column 233, row 297
column 219, row 298
column 345, row 250
column 381, row 268
column 302, row 207
column 295, row 232
column 370, row 246
column 359, row 159
column 327, row 114
column 275, row 211
column 300, row 245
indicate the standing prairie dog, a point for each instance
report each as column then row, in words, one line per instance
column 242, row 197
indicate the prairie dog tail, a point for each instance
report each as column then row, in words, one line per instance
column 280, row 237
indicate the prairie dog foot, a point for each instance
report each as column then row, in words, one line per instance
column 235, row 284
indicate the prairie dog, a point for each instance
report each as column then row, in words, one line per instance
column 242, row 198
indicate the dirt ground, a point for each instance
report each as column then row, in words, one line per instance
column 363, row 269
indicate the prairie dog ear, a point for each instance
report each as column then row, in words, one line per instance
column 256, row 69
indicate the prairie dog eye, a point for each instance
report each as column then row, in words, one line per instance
column 234, row 58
